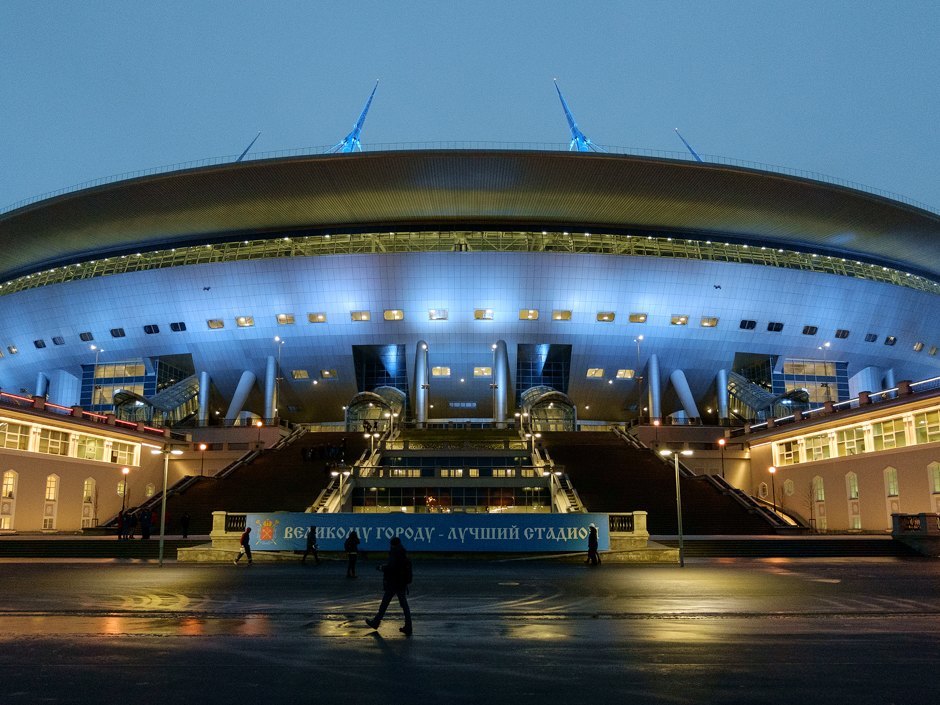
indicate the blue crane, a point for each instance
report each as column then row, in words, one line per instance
column 248, row 147
column 350, row 143
column 579, row 141
column 687, row 145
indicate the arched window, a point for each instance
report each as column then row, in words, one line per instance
column 52, row 488
column 9, row 484
column 851, row 485
column 50, row 506
column 819, row 490
column 88, row 490
column 933, row 471
column 7, row 499
column 891, row 482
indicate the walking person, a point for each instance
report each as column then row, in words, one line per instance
column 593, row 557
column 351, row 546
column 144, row 524
column 184, row 525
column 245, row 542
column 395, row 580
column 121, row 522
column 311, row 546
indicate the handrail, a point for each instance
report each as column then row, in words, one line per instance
column 323, row 150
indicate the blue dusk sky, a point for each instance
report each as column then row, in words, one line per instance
column 848, row 89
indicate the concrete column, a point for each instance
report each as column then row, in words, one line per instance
column 867, row 379
column 42, row 384
column 681, row 385
column 501, row 380
column 653, row 390
column 889, row 383
column 203, row 398
column 421, row 384
column 245, row 383
column 270, row 389
column 721, row 382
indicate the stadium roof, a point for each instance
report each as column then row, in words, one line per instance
column 493, row 189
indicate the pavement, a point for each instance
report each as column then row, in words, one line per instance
column 782, row 630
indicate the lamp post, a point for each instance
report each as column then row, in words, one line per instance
column 639, row 380
column 675, row 457
column 371, row 437
column 259, row 424
column 94, row 375
column 656, row 423
column 166, row 452
column 342, row 476
column 773, row 486
column 721, row 445
column 202, row 458
column 126, row 472
column 824, row 348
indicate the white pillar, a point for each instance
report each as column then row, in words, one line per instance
column 652, row 384
column 421, row 384
column 203, row 398
column 245, row 383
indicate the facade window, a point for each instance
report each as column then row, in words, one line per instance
column 528, row 314
column 637, row 318
column 933, row 469
column 927, row 426
column 504, row 472
column 842, row 334
column 748, row 325
column 595, row 372
column 850, row 441
column 709, row 321
column 40, row 344
column 14, row 435
column 918, row 347
column 440, row 372
column 437, row 314
column 300, row 374
column 889, row 434
column 178, row 326
column 360, row 316
column 810, row 330
column 245, row 321
column 86, row 337
column 851, row 485
column 482, row 371
column 90, row 448
column 870, row 337
column 483, row 314
column 9, row 485
column 819, row 489
column 58, row 340
column 285, row 319
column 149, row 490
column 891, row 340
column 12, row 349
column 328, row 374
column 789, row 488
column 891, row 482
column 123, row 453
column 53, row 442
column 606, row 316
column 933, row 351
column 88, row 490
column 316, row 317
column 763, row 490
column 117, row 333
column 678, row 319
column 451, row 472
column 152, row 329
column 52, row 488
column 788, row 453
column 625, row 374
column 393, row 314
column 215, row 323
column 774, row 327
column 561, row 315
column 817, row 447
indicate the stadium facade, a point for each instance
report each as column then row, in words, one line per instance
column 618, row 286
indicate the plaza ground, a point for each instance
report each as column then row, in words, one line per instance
column 861, row 630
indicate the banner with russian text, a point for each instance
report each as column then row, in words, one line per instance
column 287, row 531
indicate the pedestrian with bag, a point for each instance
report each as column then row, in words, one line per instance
column 312, row 546
column 395, row 581
column 245, row 542
column 593, row 556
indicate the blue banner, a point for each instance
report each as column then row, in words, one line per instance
column 287, row 531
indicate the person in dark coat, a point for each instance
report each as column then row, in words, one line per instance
column 184, row 525
column 351, row 546
column 311, row 546
column 121, row 523
column 144, row 524
column 245, row 542
column 396, row 576
column 593, row 557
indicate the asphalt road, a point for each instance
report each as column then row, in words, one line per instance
column 718, row 631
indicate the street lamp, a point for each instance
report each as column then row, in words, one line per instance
column 824, row 348
column 371, row 437
column 342, row 476
column 125, row 471
column 639, row 379
column 656, row 423
column 202, row 458
column 166, row 452
column 675, row 457
column 773, row 486
column 721, row 445
column 95, row 387
column 259, row 424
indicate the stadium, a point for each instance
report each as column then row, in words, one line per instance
column 530, row 289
